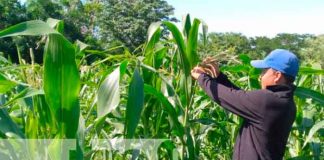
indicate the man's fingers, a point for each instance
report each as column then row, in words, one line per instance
column 209, row 64
column 198, row 70
column 210, row 72
column 212, row 68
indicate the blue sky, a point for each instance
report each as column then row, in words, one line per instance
column 256, row 17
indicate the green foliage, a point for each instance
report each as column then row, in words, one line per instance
column 71, row 12
column 108, row 93
column 127, row 21
column 61, row 82
column 292, row 42
column 12, row 12
column 258, row 47
column 135, row 104
column 101, row 24
column 60, row 73
column 8, row 127
column 147, row 95
column 313, row 51
column 5, row 84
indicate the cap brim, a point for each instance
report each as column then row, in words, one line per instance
column 259, row 64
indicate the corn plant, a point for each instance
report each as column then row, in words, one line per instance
column 55, row 106
column 148, row 95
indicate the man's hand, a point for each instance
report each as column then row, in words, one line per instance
column 212, row 69
column 210, row 65
column 196, row 72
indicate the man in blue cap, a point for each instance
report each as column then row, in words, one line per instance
column 268, row 113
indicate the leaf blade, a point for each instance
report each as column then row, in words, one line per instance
column 5, row 84
column 192, row 43
column 30, row 28
column 134, row 104
column 108, row 93
column 62, row 83
column 302, row 92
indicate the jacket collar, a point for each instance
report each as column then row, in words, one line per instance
column 282, row 90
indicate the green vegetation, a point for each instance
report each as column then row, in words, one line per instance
column 144, row 91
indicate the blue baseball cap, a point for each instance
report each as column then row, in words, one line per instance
column 281, row 60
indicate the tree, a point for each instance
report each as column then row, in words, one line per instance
column 127, row 21
column 314, row 52
column 292, row 42
column 262, row 44
column 11, row 12
column 230, row 43
column 256, row 47
column 71, row 12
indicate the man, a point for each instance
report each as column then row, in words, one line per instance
column 268, row 113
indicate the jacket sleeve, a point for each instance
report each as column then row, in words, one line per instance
column 244, row 104
column 222, row 79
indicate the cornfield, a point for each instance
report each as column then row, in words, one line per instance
column 149, row 95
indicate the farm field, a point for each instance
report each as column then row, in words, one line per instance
column 82, row 97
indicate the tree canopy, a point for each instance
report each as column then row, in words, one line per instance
column 103, row 24
column 99, row 23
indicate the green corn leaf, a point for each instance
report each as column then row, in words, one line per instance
column 80, row 139
column 134, row 104
column 31, row 125
column 8, row 126
column 184, row 61
column 245, row 59
column 62, row 83
column 153, row 36
column 159, row 57
column 108, row 94
column 43, row 110
column 52, row 22
column 181, row 47
column 59, row 149
column 99, row 123
column 31, row 28
column 313, row 130
column 302, row 92
column 148, row 89
column 61, row 77
column 193, row 43
column 186, row 24
column 27, row 92
column 308, row 70
column 123, row 68
column 205, row 32
column 190, row 145
column 80, row 47
column 5, row 84
column 58, row 25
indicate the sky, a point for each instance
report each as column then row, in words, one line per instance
column 255, row 17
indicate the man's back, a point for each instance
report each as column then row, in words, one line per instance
column 268, row 116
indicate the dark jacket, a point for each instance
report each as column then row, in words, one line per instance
column 268, row 116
